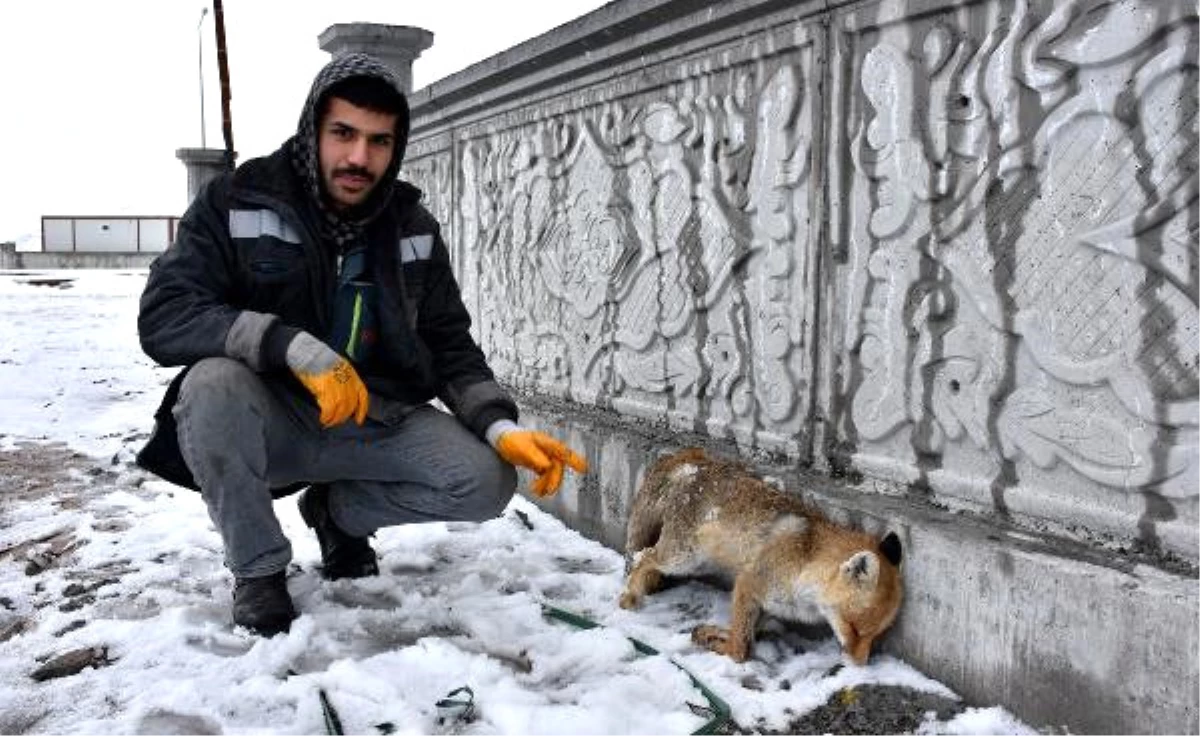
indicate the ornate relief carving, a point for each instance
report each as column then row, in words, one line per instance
column 1031, row 240
column 650, row 250
column 432, row 175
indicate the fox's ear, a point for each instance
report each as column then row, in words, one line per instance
column 890, row 549
column 862, row 569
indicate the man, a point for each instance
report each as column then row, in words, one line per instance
column 311, row 298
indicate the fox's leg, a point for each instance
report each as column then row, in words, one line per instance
column 736, row 641
column 644, row 578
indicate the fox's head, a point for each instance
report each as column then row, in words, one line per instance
column 866, row 596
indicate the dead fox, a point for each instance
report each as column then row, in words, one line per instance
column 695, row 515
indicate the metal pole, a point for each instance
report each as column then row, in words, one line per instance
column 223, row 67
column 200, row 48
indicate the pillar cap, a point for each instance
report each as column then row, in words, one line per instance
column 201, row 155
column 374, row 38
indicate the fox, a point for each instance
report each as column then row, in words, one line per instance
column 695, row 515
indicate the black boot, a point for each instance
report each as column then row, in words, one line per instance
column 263, row 604
column 342, row 556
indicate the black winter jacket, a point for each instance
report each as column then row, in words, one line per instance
column 248, row 270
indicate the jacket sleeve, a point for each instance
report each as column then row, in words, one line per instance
column 470, row 388
column 187, row 310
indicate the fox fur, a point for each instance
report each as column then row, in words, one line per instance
column 694, row 516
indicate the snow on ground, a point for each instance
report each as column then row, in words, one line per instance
column 139, row 588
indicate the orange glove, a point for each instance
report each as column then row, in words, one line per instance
column 539, row 452
column 330, row 378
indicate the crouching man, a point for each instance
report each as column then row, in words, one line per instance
column 310, row 297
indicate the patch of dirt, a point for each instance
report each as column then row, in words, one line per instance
column 56, row 283
column 31, row 471
column 870, row 709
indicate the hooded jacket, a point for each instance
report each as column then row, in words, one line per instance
column 258, row 258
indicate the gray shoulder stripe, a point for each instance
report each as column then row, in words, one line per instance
column 416, row 248
column 256, row 223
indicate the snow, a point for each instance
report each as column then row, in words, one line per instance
column 455, row 604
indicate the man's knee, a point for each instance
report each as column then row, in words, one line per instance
column 221, row 381
column 221, row 399
column 491, row 489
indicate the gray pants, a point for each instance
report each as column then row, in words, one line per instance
column 242, row 435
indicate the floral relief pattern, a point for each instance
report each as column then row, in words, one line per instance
column 652, row 250
column 1029, row 241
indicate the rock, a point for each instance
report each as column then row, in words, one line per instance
column 12, row 628
column 72, row 663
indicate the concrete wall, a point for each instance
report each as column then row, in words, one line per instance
column 11, row 258
column 931, row 263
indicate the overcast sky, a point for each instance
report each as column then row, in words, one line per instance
column 97, row 96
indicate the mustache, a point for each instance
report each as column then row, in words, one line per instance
column 354, row 171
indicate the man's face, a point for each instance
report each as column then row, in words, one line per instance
column 354, row 146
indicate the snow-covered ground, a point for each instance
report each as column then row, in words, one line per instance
column 126, row 572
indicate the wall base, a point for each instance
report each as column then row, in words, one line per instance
column 1063, row 635
column 10, row 258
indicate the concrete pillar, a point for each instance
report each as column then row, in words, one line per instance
column 8, row 256
column 396, row 46
column 203, row 165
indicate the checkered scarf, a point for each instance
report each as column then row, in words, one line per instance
column 343, row 228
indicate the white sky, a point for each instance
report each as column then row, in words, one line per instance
column 98, row 94
column 454, row 605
